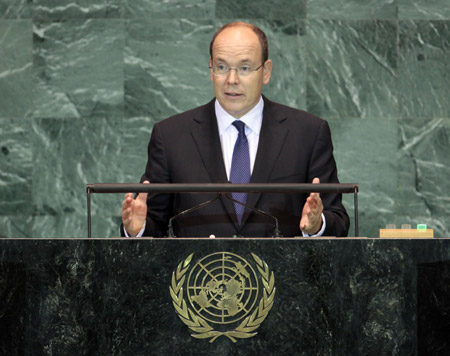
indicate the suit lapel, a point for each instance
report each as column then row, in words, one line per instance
column 205, row 133
column 271, row 140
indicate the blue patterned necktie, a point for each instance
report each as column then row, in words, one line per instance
column 240, row 167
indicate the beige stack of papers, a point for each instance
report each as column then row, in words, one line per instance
column 406, row 233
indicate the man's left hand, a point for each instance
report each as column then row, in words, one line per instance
column 311, row 221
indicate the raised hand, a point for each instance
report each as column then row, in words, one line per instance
column 134, row 212
column 311, row 221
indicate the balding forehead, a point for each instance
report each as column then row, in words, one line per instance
column 247, row 28
column 237, row 39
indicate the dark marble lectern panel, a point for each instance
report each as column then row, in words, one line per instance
column 102, row 297
column 433, row 306
column 13, row 296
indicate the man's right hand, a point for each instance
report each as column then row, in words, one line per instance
column 134, row 212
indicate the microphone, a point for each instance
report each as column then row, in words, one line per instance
column 276, row 231
column 187, row 211
column 170, row 233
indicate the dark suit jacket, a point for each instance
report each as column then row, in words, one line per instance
column 294, row 147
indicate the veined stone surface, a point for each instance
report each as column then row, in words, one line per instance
column 82, row 84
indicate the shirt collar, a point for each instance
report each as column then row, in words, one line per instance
column 253, row 119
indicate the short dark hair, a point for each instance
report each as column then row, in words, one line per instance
column 260, row 33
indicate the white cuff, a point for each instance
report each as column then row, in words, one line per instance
column 320, row 233
column 139, row 234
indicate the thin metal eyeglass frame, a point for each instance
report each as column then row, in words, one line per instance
column 236, row 69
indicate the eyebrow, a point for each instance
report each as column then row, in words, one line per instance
column 245, row 60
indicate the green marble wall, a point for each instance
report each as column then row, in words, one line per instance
column 82, row 83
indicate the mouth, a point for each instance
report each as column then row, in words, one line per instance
column 233, row 95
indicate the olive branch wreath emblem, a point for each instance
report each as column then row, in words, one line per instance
column 200, row 327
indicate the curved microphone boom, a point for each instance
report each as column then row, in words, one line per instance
column 170, row 233
column 276, row 231
column 187, row 211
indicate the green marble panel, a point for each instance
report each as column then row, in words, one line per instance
column 15, row 167
column 169, row 9
column 261, row 9
column 352, row 68
column 79, row 9
column 424, row 171
column 135, row 137
column 78, row 68
column 166, row 67
column 15, row 9
column 352, row 9
column 287, row 52
column 117, row 67
column 419, row 9
column 424, row 68
column 70, row 154
column 365, row 151
column 16, row 226
column 15, row 68
column 74, row 225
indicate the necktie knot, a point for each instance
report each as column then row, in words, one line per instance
column 240, row 126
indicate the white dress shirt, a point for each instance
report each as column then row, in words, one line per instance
column 228, row 133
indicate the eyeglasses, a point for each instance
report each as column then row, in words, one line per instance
column 243, row 71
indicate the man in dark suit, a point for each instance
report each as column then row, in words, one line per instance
column 240, row 136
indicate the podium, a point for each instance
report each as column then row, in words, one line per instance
column 330, row 296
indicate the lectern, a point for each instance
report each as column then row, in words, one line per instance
column 264, row 296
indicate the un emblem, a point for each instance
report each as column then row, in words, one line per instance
column 224, row 295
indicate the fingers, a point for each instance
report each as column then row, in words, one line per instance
column 312, row 211
column 126, row 203
column 134, row 212
column 314, row 200
column 129, row 205
column 143, row 196
column 128, row 198
column 314, row 204
column 303, row 224
column 314, row 195
column 126, row 216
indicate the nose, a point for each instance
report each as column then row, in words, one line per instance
column 233, row 77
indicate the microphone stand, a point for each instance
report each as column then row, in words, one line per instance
column 187, row 211
column 276, row 231
column 170, row 233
